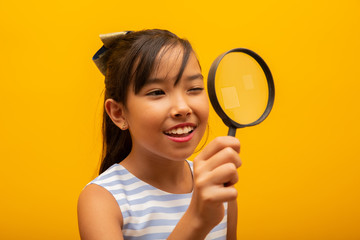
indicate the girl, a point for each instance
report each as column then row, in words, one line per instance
column 155, row 114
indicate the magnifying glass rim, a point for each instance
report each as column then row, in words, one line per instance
column 213, row 97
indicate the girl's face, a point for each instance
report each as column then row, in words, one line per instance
column 167, row 120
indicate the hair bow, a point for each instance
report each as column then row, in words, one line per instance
column 107, row 39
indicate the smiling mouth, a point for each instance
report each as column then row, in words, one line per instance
column 180, row 131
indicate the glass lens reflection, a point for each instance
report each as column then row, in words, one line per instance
column 241, row 87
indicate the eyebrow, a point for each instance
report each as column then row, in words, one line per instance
column 187, row 78
column 194, row 77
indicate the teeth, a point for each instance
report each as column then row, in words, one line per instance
column 181, row 130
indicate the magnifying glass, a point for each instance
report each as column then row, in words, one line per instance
column 241, row 88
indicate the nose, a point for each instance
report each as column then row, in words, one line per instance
column 180, row 107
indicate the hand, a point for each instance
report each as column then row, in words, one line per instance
column 215, row 173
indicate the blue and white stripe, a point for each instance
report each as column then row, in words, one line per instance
column 148, row 212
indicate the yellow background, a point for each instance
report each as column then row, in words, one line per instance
column 300, row 175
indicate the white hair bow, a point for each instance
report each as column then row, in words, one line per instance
column 108, row 39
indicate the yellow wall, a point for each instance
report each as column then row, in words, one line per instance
column 300, row 175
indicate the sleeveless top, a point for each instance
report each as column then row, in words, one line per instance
column 148, row 212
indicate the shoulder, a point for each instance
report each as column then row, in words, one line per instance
column 98, row 211
column 94, row 194
column 97, row 195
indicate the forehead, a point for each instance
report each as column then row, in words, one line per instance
column 170, row 61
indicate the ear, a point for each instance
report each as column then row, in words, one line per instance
column 116, row 112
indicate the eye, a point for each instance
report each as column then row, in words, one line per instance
column 156, row 92
column 196, row 90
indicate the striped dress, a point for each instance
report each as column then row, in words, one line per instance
column 148, row 212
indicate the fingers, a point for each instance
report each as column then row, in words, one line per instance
column 211, row 185
column 218, row 144
column 226, row 155
column 215, row 170
column 215, row 173
column 219, row 195
column 226, row 173
column 220, row 151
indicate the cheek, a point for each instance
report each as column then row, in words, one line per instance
column 147, row 115
column 204, row 108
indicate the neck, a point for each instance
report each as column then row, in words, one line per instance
column 164, row 174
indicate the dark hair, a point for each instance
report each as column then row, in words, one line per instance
column 131, row 59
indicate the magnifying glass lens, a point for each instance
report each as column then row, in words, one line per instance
column 241, row 87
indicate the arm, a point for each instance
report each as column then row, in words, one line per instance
column 99, row 215
column 215, row 165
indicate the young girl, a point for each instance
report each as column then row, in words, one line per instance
column 155, row 114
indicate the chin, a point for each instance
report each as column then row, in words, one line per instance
column 180, row 157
